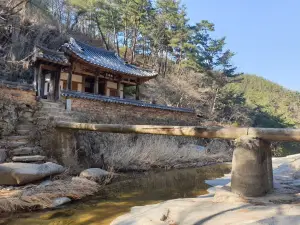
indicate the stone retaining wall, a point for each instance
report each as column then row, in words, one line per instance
column 19, row 94
column 130, row 114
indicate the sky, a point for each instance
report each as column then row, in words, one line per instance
column 264, row 34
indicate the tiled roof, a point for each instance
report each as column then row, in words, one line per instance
column 51, row 56
column 75, row 94
column 104, row 58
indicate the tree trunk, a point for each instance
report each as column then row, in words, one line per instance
column 117, row 44
column 101, row 34
column 214, row 102
column 144, row 48
column 133, row 46
column 125, row 40
column 166, row 62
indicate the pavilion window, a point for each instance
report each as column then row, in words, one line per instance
column 101, row 86
column 89, row 84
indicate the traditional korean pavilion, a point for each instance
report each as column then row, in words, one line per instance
column 81, row 68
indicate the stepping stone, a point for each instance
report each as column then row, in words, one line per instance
column 33, row 158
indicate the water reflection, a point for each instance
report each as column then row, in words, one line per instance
column 117, row 198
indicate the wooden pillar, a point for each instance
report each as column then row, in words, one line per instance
column 83, row 84
column 252, row 174
column 39, row 80
column 137, row 91
column 119, row 88
column 42, row 84
column 35, row 77
column 57, row 86
column 96, row 85
column 69, row 81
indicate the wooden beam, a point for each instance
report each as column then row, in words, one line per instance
column 272, row 134
column 49, row 67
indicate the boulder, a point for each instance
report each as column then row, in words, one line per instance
column 24, row 173
column 95, row 174
column 3, row 155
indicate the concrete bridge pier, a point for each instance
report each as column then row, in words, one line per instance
column 252, row 172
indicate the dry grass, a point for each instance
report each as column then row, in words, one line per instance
column 37, row 196
column 143, row 152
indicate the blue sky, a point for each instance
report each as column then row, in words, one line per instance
column 264, row 34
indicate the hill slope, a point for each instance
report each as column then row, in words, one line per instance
column 273, row 100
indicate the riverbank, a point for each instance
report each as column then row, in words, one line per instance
column 221, row 206
column 119, row 197
column 47, row 194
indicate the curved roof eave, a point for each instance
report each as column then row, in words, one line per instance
column 105, row 59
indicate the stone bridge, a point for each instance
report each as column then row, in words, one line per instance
column 252, row 173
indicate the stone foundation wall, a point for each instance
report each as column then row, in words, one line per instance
column 130, row 114
column 16, row 102
column 17, row 95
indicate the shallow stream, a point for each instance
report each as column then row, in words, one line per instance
column 117, row 198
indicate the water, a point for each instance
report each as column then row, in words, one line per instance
column 117, row 198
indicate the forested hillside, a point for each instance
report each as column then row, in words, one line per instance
column 280, row 104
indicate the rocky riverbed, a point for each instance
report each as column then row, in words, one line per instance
column 220, row 206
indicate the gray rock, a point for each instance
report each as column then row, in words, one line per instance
column 45, row 183
column 60, row 201
column 24, row 173
column 3, row 155
column 95, row 174
column 296, row 175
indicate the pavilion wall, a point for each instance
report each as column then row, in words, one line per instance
column 131, row 114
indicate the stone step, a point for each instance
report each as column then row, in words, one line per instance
column 56, row 118
column 13, row 144
column 52, row 104
column 24, row 126
column 51, row 114
column 22, row 151
column 27, row 121
column 52, row 109
column 32, row 158
column 23, row 131
column 16, row 144
column 17, row 138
